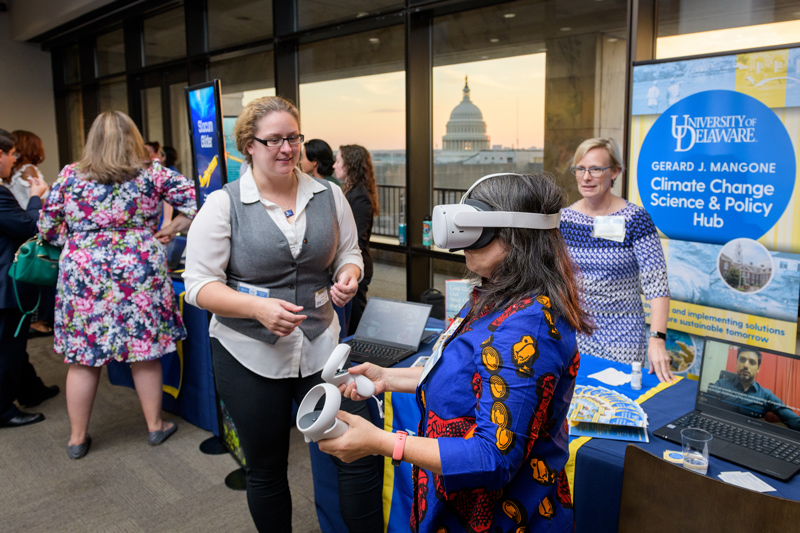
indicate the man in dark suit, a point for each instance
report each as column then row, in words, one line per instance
column 16, row 226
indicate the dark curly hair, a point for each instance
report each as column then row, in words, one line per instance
column 358, row 164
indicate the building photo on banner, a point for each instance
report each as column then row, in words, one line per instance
column 713, row 158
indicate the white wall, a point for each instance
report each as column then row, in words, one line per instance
column 26, row 94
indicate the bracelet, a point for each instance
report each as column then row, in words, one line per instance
column 399, row 446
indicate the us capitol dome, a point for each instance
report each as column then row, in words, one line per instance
column 466, row 131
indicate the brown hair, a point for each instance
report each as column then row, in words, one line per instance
column 245, row 129
column 29, row 147
column 114, row 151
column 358, row 165
column 537, row 263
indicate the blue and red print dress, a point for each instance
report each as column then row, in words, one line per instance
column 114, row 299
column 497, row 401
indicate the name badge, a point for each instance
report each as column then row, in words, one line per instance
column 321, row 297
column 437, row 349
column 253, row 290
column 611, row 228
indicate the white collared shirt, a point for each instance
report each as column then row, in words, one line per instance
column 207, row 257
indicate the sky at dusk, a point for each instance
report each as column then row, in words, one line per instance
column 370, row 110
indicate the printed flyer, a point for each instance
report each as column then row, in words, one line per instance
column 713, row 159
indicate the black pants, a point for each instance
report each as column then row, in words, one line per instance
column 261, row 409
column 359, row 303
column 17, row 376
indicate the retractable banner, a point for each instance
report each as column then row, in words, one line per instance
column 713, row 159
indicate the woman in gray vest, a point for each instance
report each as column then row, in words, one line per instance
column 269, row 255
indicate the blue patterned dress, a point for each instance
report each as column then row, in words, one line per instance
column 114, row 299
column 497, row 402
column 614, row 276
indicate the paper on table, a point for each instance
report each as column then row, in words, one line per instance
column 612, row 376
column 746, row 480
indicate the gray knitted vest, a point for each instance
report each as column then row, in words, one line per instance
column 261, row 256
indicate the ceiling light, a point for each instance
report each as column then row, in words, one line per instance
column 494, row 40
column 509, row 15
column 362, row 14
column 374, row 40
column 613, row 40
column 566, row 28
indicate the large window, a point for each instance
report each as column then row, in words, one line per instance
column 243, row 78
column 692, row 28
column 164, row 37
column 113, row 96
column 352, row 91
column 110, row 53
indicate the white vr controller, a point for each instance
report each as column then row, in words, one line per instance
column 319, row 424
column 335, row 373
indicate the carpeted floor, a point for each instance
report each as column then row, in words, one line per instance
column 124, row 485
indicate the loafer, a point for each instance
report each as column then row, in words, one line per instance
column 157, row 437
column 76, row 451
column 45, row 394
column 22, row 419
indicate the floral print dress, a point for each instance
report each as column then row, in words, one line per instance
column 115, row 299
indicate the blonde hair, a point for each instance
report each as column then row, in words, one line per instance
column 114, row 151
column 610, row 145
column 245, row 129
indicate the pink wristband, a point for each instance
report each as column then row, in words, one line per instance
column 399, row 446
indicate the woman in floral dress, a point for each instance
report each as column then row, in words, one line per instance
column 115, row 300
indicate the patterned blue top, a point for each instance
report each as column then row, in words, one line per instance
column 497, row 402
column 614, row 275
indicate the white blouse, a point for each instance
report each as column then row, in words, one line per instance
column 207, row 256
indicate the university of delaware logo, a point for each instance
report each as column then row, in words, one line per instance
column 688, row 130
column 680, row 131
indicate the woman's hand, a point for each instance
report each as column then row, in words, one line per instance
column 346, row 285
column 39, row 187
column 374, row 373
column 660, row 360
column 177, row 225
column 362, row 438
column 278, row 316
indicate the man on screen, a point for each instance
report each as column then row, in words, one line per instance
column 752, row 399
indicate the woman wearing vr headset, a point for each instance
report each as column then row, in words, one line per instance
column 492, row 443
column 268, row 255
column 615, row 245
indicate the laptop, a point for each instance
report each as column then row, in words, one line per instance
column 751, row 407
column 389, row 331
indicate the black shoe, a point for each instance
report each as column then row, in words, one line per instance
column 44, row 394
column 22, row 419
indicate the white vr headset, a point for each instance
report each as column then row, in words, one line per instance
column 472, row 224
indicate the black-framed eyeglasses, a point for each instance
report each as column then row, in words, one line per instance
column 277, row 142
column 594, row 172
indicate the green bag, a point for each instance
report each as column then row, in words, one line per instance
column 36, row 262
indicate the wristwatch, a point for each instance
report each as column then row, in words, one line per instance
column 658, row 335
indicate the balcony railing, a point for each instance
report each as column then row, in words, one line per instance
column 392, row 197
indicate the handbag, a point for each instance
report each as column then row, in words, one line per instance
column 36, row 262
